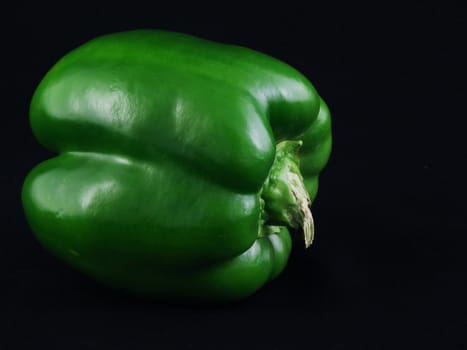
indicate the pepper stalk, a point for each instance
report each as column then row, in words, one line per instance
column 285, row 198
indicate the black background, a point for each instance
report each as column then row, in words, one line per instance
column 388, row 267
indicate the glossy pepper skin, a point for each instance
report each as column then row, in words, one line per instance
column 164, row 143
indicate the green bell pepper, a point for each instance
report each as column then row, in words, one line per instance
column 177, row 174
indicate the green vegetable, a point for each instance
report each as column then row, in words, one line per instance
column 177, row 174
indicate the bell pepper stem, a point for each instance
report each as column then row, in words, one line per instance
column 286, row 200
column 303, row 201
